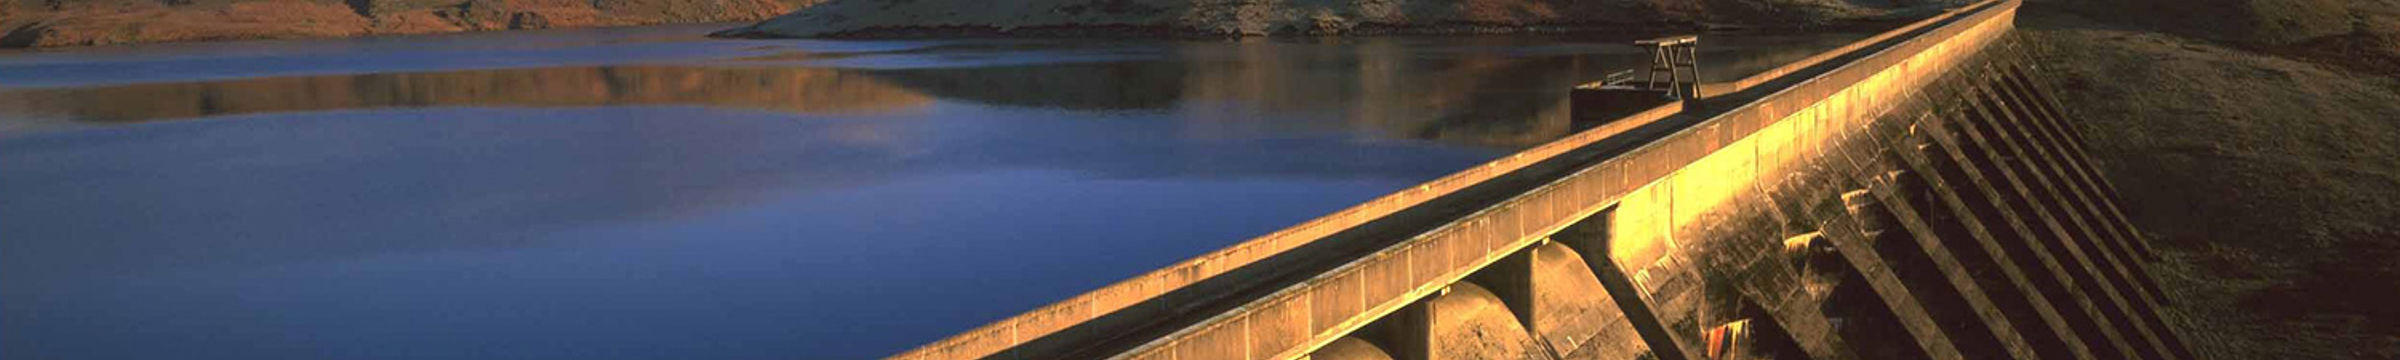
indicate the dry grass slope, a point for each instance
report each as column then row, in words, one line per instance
column 2271, row 183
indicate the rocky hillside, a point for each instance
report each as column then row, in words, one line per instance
column 2256, row 141
column 49, row 23
column 2361, row 34
column 877, row 18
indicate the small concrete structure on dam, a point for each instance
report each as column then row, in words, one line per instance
column 1918, row 194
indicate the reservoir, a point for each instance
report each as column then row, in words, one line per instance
column 642, row 193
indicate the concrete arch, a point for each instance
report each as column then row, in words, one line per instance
column 1350, row 348
column 1470, row 322
column 1557, row 297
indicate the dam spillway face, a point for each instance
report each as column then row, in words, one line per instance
column 1965, row 223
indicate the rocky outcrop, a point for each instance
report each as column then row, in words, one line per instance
column 50, row 23
column 875, row 18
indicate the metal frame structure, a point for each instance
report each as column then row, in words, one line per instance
column 1674, row 56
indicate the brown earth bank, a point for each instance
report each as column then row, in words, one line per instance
column 2262, row 154
column 53, row 23
column 1237, row 18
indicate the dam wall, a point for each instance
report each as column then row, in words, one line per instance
column 1913, row 195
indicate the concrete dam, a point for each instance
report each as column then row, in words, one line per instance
column 1918, row 194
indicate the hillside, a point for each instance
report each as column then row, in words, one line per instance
column 2263, row 166
column 53, row 23
column 1213, row 18
column 2361, row 34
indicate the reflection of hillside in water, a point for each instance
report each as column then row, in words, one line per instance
column 1483, row 91
column 785, row 89
column 1503, row 92
column 1392, row 89
column 1737, row 57
column 1072, row 86
column 1381, row 86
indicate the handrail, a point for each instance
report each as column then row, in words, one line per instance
column 1670, row 40
column 1616, row 78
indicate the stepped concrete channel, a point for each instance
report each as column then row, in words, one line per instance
column 1914, row 195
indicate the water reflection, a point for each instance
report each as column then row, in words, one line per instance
column 623, row 231
column 781, row 89
column 727, row 206
column 1504, row 92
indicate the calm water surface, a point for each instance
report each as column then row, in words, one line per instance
column 645, row 193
